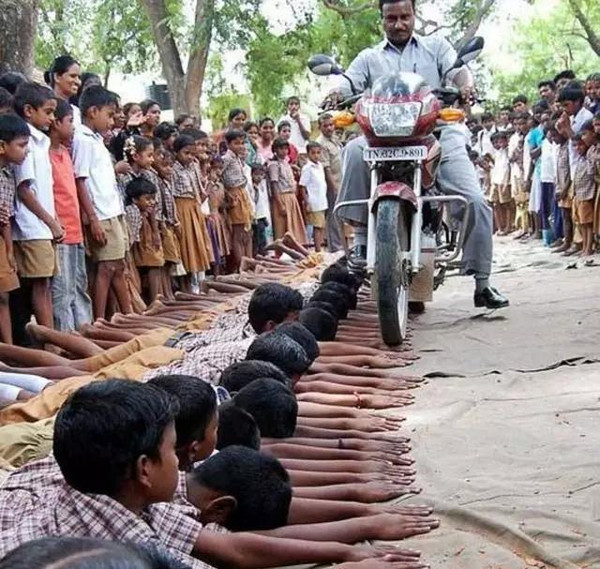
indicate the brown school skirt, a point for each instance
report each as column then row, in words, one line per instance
column 223, row 235
column 170, row 245
column 239, row 208
column 196, row 252
column 144, row 253
column 8, row 274
column 292, row 221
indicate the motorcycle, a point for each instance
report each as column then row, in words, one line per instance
column 400, row 117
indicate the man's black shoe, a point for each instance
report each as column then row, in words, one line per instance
column 490, row 298
column 357, row 260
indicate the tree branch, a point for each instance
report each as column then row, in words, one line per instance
column 345, row 11
column 592, row 38
column 483, row 10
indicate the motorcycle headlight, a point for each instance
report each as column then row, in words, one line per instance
column 393, row 119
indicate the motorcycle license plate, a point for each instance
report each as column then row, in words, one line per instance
column 394, row 153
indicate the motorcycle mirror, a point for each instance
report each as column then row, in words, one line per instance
column 324, row 65
column 470, row 51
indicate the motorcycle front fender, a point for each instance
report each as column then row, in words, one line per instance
column 397, row 190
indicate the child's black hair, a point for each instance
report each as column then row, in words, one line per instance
column 264, row 120
column 280, row 350
column 234, row 134
column 279, row 143
column 520, row 99
column 547, row 83
column 137, row 188
column 63, row 109
column 165, row 130
column 326, row 306
column 312, row 144
column 487, row 116
column 12, row 127
column 235, row 112
column 147, row 104
column 257, row 166
column 298, row 332
column 196, row 134
column 240, row 374
column 182, row 141
column 105, row 427
column 197, row 405
column 272, row 301
column 135, row 144
column 293, row 99
column 32, row 94
column 60, row 65
column 566, row 74
column 96, row 96
column 339, row 302
column 237, row 427
column 322, row 325
column 572, row 92
column 348, row 292
column 182, row 118
column 87, row 553
column 6, row 99
column 282, row 125
column 259, row 483
column 339, row 273
column 587, row 126
column 10, row 80
column 273, row 406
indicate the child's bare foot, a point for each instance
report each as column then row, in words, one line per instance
column 290, row 241
column 36, row 333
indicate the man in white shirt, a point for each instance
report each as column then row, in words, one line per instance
column 300, row 126
column 314, row 186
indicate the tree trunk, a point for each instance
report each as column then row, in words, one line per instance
column 18, row 25
column 484, row 9
column 592, row 37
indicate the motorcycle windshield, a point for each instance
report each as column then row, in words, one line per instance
column 397, row 87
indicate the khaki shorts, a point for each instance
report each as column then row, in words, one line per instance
column 585, row 211
column 501, row 194
column 116, row 240
column 316, row 219
column 36, row 259
column 8, row 275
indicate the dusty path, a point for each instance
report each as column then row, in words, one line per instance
column 506, row 435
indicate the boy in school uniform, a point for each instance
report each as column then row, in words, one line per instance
column 14, row 140
column 100, row 200
column 71, row 303
column 314, row 185
column 501, row 191
column 35, row 226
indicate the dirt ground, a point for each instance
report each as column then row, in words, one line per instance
column 505, row 433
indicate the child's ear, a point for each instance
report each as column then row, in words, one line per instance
column 3, row 146
column 27, row 111
column 143, row 473
column 219, row 510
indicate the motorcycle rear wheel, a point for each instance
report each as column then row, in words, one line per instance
column 391, row 269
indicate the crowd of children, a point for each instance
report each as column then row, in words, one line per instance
column 104, row 207
column 540, row 167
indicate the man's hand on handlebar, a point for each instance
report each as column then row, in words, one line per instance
column 332, row 100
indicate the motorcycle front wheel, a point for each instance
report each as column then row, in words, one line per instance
column 391, row 269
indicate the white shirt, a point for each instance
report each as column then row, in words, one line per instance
column 501, row 169
column 37, row 169
column 548, row 167
column 76, row 116
column 296, row 137
column 261, row 201
column 484, row 142
column 313, row 179
column 92, row 161
column 577, row 121
column 249, row 185
column 515, row 169
column 526, row 158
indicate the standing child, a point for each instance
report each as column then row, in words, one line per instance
column 287, row 216
column 548, row 181
column 71, row 303
column 314, row 187
column 218, row 212
column 144, row 236
column 14, row 139
column 563, row 186
column 195, row 252
column 100, row 200
column 501, row 192
column 584, row 185
column 239, row 207
column 35, row 227
column 262, row 212
column 516, row 156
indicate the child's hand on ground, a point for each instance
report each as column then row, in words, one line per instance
column 391, row 527
column 382, row 491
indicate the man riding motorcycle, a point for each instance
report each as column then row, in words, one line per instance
column 431, row 58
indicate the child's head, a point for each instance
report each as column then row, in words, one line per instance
column 340, row 302
column 547, row 90
column 98, row 106
column 251, row 130
column 588, row 134
column 563, row 78
column 236, row 119
column 64, row 76
column 117, row 438
column 14, row 139
column 151, row 111
column 313, row 149
column 237, row 427
column 539, row 109
column 216, row 168
column 596, row 122
column 322, row 325
column 132, row 109
column 6, row 101
column 326, row 125
column 504, row 115
column 298, row 332
column 184, row 122
column 273, row 406
column 201, row 144
column 580, row 146
column 10, row 80
column 266, row 128
column 36, row 104
column 258, row 173
column 280, row 148
column 236, row 141
column 284, row 130
column 142, row 193
column 282, row 351
column 519, row 104
column 337, row 272
column 239, row 374
column 167, row 132
column 571, row 98
column 272, row 304
column 196, row 422
column 62, row 128
column 242, row 490
column 184, row 148
column 487, row 119
column 594, row 82
column 293, row 105
column 520, row 122
column 343, row 289
column 163, row 162
column 139, row 150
